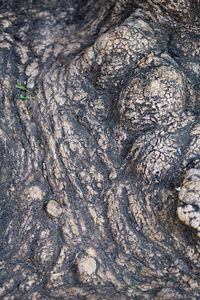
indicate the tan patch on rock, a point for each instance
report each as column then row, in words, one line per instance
column 36, row 192
column 189, row 200
column 87, row 265
column 53, row 209
column 91, row 252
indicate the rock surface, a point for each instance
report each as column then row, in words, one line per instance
column 87, row 266
column 189, row 198
column 111, row 131
column 53, row 209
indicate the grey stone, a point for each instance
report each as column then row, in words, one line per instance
column 110, row 129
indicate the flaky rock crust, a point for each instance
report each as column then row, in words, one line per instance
column 100, row 166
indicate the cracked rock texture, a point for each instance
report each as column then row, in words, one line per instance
column 100, row 169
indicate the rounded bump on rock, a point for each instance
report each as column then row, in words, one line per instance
column 53, row 209
column 87, row 265
column 188, row 209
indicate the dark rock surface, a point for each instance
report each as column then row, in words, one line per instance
column 100, row 169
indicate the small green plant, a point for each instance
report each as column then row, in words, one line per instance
column 25, row 97
column 23, row 88
column 133, row 287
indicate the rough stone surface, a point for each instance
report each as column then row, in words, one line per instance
column 189, row 198
column 113, row 134
column 53, row 209
column 87, row 266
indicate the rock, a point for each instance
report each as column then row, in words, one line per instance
column 53, row 209
column 87, row 266
column 116, row 105
column 189, row 200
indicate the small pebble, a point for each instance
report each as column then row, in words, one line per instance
column 53, row 209
column 87, row 265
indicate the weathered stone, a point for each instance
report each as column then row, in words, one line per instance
column 87, row 265
column 189, row 200
column 53, row 209
column 111, row 130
